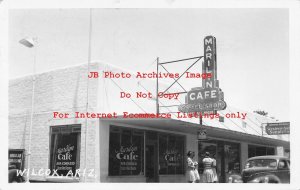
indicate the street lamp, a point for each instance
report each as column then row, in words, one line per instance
column 30, row 43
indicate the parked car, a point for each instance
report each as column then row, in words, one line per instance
column 264, row 169
column 13, row 176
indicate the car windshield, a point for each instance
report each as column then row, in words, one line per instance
column 267, row 163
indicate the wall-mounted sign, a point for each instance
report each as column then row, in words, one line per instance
column 210, row 62
column 16, row 157
column 278, row 128
column 209, row 97
column 202, row 107
column 204, row 95
column 221, row 119
column 202, row 135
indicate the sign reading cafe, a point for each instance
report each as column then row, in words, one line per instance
column 128, row 158
column 66, row 159
column 209, row 97
column 172, row 157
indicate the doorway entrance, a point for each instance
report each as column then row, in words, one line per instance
column 226, row 154
column 151, row 166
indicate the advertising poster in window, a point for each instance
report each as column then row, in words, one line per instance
column 126, row 149
column 16, row 158
column 171, row 154
column 65, row 154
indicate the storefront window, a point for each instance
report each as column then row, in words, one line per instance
column 171, row 154
column 251, row 151
column 232, row 157
column 65, row 149
column 260, row 151
column 126, row 151
column 270, row 151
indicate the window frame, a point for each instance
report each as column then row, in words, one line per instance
column 120, row 128
column 144, row 149
column 183, row 151
column 286, row 164
column 254, row 146
column 56, row 129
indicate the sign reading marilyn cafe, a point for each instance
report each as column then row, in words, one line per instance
column 209, row 97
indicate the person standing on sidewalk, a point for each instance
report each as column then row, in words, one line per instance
column 214, row 168
column 190, row 168
column 208, row 174
column 196, row 173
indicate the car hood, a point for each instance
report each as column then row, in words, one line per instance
column 258, row 169
column 246, row 173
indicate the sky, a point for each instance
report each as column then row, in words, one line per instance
column 252, row 46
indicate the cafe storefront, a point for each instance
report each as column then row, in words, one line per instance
column 120, row 149
column 138, row 152
column 155, row 151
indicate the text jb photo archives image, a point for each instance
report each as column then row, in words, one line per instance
column 142, row 95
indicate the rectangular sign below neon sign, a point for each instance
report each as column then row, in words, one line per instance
column 202, row 107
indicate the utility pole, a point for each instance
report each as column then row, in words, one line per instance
column 157, row 102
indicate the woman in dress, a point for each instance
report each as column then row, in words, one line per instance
column 190, row 168
column 208, row 174
column 214, row 168
column 196, row 173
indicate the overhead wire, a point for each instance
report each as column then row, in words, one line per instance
column 130, row 97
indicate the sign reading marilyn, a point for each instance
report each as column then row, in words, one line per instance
column 278, row 128
column 209, row 97
column 210, row 62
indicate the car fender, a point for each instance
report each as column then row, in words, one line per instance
column 272, row 177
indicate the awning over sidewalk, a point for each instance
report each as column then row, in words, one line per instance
column 192, row 128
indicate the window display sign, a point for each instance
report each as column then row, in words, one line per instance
column 126, row 149
column 172, row 157
column 278, row 128
column 66, row 158
column 128, row 157
column 16, row 157
column 171, row 154
column 65, row 149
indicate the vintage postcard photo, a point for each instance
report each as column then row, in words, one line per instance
column 149, row 95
